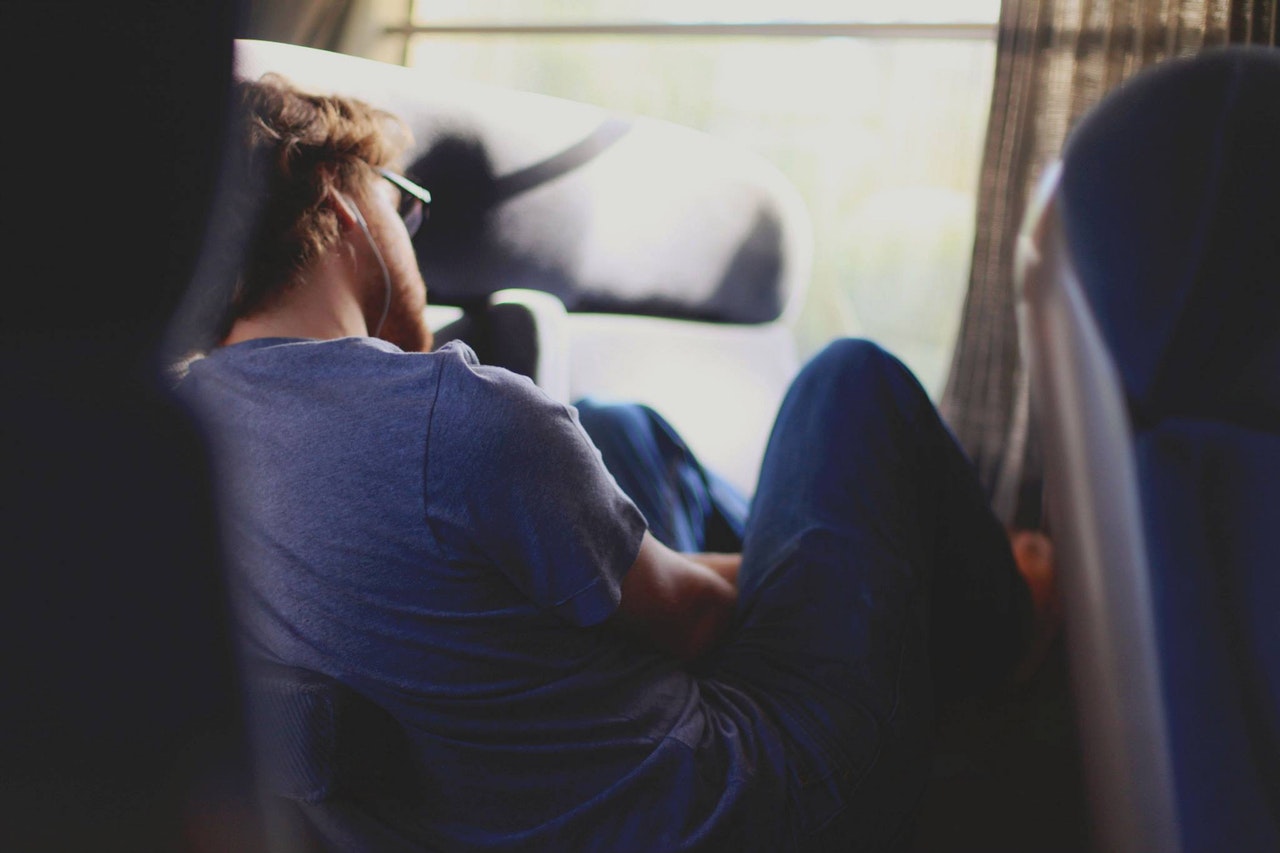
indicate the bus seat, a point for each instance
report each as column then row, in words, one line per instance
column 1149, row 307
column 679, row 259
column 520, row 329
column 334, row 772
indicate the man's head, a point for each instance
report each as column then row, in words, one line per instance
column 315, row 167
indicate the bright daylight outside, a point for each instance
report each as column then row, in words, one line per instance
column 881, row 129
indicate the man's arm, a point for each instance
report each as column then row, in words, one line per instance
column 725, row 565
column 680, row 603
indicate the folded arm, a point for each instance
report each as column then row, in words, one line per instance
column 680, row 603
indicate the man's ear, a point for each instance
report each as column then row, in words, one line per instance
column 344, row 208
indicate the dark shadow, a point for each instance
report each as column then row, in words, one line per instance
column 463, row 256
column 751, row 289
column 1007, row 778
column 122, row 721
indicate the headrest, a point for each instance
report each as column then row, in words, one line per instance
column 611, row 213
column 1170, row 201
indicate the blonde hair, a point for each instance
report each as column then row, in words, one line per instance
column 295, row 149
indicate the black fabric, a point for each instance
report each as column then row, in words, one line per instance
column 335, row 769
column 321, row 739
column 299, row 719
column 1169, row 193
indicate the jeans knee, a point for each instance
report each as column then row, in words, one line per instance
column 861, row 361
column 853, row 354
column 610, row 420
column 597, row 411
column 848, row 370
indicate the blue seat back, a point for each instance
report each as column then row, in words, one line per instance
column 1151, row 308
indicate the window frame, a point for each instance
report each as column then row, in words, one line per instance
column 944, row 31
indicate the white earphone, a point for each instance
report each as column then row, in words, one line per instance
column 386, row 275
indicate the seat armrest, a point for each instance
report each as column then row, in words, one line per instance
column 524, row 331
column 549, row 335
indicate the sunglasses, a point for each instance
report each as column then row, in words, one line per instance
column 414, row 200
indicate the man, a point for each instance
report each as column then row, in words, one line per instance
column 447, row 540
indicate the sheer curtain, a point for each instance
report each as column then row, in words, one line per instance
column 1055, row 59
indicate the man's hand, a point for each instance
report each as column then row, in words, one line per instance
column 1033, row 554
column 725, row 565
column 680, row 603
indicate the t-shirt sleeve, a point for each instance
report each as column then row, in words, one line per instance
column 512, row 479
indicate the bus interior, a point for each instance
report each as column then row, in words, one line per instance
column 1064, row 216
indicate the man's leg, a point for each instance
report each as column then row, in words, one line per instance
column 688, row 507
column 874, row 578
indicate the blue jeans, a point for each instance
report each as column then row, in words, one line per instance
column 875, row 581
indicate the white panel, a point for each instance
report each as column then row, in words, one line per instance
column 718, row 385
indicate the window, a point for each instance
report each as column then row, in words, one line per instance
column 876, row 110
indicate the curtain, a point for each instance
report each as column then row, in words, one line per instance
column 1055, row 60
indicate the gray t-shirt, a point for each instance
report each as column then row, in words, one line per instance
column 444, row 537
